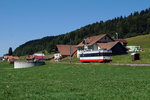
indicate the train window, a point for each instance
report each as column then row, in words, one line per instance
column 106, row 54
column 81, row 55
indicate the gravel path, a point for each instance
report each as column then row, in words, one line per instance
column 128, row 64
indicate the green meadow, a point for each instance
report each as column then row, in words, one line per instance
column 141, row 40
column 74, row 82
column 144, row 57
column 144, row 42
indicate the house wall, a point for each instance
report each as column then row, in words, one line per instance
column 99, row 48
column 86, row 47
column 119, row 49
column 79, row 51
column 94, row 47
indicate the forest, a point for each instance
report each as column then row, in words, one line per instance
column 137, row 23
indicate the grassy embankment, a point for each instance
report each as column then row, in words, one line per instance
column 144, row 42
column 65, row 81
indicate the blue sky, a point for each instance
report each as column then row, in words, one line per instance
column 24, row 20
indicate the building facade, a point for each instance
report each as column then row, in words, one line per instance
column 100, row 42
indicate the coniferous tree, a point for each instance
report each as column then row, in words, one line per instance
column 10, row 52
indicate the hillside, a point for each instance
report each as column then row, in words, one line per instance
column 142, row 40
column 137, row 23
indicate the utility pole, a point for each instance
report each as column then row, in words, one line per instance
column 117, row 35
column 70, row 50
column 42, row 52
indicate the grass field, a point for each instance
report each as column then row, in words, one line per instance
column 141, row 40
column 74, row 82
column 144, row 42
column 144, row 57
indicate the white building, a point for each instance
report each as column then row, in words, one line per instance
column 101, row 42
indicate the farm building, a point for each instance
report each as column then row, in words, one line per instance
column 8, row 58
column 100, row 42
column 63, row 51
column 36, row 57
column 134, row 48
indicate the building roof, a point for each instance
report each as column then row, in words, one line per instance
column 121, row 40
column 37, row 56
column 108, row 45
column 11, row 57
column 65, row 49
column 91, row 40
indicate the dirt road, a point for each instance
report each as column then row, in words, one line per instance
column 121, row 64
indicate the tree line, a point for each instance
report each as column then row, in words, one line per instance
column 137, row 23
